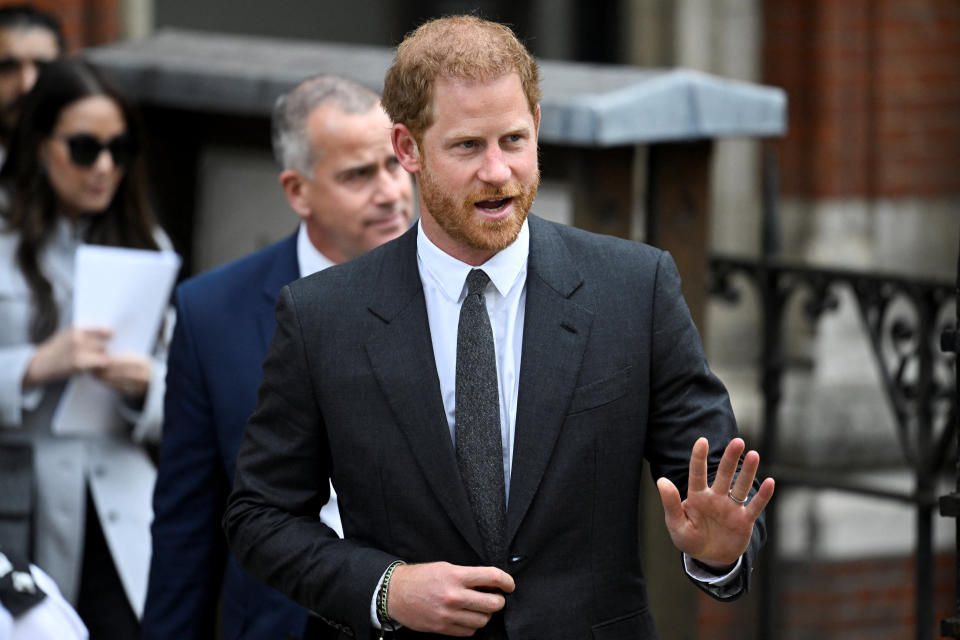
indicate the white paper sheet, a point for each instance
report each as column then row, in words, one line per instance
column 126, row 291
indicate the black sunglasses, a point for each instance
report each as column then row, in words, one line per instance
column 85, row 149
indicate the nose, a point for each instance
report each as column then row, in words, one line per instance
column 388, row 187
column 104, row 161
column 28, row 76
column 494, row 169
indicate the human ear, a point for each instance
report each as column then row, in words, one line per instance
column 406, row 148
column 294, row 187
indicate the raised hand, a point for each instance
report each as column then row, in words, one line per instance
column 444, row 598
column 714, row 523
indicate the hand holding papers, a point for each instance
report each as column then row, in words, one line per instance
column 125, row 291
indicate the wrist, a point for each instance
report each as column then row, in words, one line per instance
column 383, row 595
column 35, row 372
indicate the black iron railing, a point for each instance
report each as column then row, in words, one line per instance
column 903, row 318
column 950, row 504
column 909, row 322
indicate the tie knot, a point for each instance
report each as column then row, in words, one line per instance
column 477, row 281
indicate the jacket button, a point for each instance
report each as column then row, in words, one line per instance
column 516, row 559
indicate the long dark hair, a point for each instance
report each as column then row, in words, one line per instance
column 34, row 205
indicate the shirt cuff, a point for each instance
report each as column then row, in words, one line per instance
column 374, row 618
column 702, row 575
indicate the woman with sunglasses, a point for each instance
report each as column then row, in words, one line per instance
column 74, row 177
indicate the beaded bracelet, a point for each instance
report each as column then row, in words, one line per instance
column 385, row 618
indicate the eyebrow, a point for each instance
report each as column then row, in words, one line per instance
column 357, row 168
column 467, row 134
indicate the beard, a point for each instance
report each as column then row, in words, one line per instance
column 460, row 221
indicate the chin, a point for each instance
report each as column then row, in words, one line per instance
column 93, row 209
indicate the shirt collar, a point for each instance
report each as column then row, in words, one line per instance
column 505, row 269
column 309, row 259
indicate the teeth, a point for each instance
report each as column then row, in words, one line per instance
column 492, row 205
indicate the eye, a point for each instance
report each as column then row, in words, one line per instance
column 468, row 144
column 9, row 64
column 360, row 173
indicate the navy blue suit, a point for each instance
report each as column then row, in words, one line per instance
column 225, row 320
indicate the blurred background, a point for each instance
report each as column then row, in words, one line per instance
column 833, row 260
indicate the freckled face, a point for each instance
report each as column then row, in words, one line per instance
column 478, row 172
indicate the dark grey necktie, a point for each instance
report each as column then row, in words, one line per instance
column 478, row 445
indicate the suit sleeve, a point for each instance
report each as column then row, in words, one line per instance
column 272, row 518
column 14, row 361
column 688, row 401
column 188, row 548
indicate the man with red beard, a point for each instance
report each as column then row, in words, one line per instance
column 483, row 392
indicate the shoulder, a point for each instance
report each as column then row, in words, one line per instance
column 591, row 250
column 243, row 273
column 359, row 274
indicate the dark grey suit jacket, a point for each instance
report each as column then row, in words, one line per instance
column 612, row 373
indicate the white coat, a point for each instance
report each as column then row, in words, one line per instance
column 116, row 468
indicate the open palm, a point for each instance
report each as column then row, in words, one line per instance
column 714, row 523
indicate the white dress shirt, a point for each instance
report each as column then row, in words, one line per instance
column 444, row 288
column 309, row 259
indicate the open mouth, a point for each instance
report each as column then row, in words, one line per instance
column 493, row 206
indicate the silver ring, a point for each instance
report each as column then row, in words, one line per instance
column 735, row 499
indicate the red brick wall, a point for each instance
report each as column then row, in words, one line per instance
column 843, row 600
column 84, row 22
column 874, row 95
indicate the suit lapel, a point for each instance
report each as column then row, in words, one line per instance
column 555, row 335
column 283, row 269
column 401, row 356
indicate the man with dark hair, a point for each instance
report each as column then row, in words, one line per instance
column 29, row 39
column 340, row 175
column 484, row 392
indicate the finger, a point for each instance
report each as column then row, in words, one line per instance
column 728, row 465
column 485, row 602
column 96, row 333
column 670, row 499
column 762, row 498
column 86, row 341
column 489, row 578
column 698, row 466
column 86, row 345
column 748, row 471
column 92, row 360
